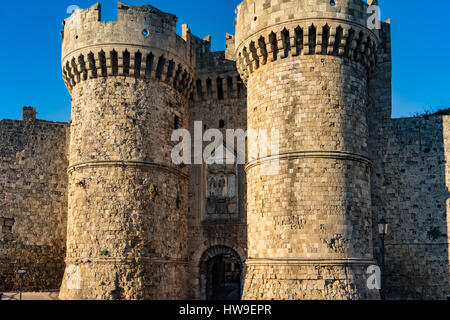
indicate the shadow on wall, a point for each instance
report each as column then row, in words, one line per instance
column 33, row 205
column 416, row 187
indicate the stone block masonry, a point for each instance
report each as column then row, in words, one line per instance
column 33, row 202
column 307, row 77
column 219, row 102
column 97, row 209
column 127, row 212
column 414, row 184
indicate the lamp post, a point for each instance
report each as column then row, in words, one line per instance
column 22, row 273
column 382, row 230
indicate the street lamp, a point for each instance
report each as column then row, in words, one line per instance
column 382, row 230
column 22, row 273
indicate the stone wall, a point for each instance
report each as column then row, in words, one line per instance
column 412, row 187
column 141, row 34
column 117, row 229
column 316, row 210
column 33, row 202
column 219, row 102
column 306, row 65
column 130, row 81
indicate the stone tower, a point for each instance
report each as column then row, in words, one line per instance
column 130, row 81
column 306, row 64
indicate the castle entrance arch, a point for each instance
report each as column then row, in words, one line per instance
column 221, row 274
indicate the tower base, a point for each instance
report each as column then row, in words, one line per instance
column 307, row 280
column 113, row 279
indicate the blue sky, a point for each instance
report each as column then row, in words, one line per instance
column 31, row 49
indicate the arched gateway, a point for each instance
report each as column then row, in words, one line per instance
column 221, row 274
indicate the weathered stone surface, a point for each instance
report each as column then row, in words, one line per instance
column 127, row 208
column 219, row 221
column 33, row 202
column 317, row 207
column 102, row 192
column 412, row 184
column 119, row 149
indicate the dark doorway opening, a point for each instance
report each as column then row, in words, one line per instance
column 221, row 269
column 224, row 278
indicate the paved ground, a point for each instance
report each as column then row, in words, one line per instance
column 31, row 296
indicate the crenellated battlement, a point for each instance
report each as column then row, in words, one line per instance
column 142, row 43
column 384, row 34
column 263, row 34
column 256, row 15
column 219, row 86
column 217, row 77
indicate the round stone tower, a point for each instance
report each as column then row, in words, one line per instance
column 127, row 223
column 306, row 64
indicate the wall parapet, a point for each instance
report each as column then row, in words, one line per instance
column 141, row 44
column 223, row 86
